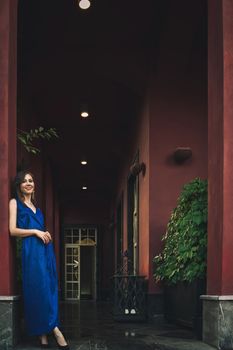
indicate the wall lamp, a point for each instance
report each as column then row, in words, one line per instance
column 181, row 154
column 138, row 168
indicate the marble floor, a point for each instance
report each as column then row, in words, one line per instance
column 90, row 326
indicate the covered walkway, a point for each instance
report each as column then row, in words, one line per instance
column 155, row 80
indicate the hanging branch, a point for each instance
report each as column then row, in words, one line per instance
column 27, row 137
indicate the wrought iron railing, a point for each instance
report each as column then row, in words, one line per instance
column 130, row 291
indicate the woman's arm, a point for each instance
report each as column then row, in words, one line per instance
column 19, row 232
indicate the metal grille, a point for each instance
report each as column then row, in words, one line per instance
column 81, row 236
column 129, row 297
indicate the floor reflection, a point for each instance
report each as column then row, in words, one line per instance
column 86, row 319
column 90, row 326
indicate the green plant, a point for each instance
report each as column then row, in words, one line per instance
column 27, row 137
column 185, row 241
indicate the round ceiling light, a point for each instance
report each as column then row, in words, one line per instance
column 84, row 114
column 84, row 4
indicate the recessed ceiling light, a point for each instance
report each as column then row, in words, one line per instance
column 83, row 162
column 84, row 188
column 84, row 114
column 84, row 4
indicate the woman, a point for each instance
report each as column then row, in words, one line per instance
column 40, row 288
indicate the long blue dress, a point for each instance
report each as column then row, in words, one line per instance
column 40, row 286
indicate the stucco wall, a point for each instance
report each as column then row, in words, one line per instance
column 178, row 118
column 138, row 143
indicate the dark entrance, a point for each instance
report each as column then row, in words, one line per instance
column 87, row 272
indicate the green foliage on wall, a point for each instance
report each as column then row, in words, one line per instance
column 185, row 241
column 28, row 137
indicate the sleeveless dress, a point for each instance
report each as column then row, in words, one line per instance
column 40, row 285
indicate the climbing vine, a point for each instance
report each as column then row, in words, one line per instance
column 28, row 137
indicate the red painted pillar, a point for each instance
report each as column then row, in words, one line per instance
column 8, row 83
column 218, row 303
column 220, row 236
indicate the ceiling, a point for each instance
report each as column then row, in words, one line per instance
column 100, row 57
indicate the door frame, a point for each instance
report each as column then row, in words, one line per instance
column 119, row 232
column 133, row 252
column 79, row 244
column 72, row 245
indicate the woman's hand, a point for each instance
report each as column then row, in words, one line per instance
column 44, row 236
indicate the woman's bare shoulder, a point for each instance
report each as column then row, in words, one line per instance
column 13, row 203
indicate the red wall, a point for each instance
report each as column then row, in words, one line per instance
column 162, row 127
column 174, row 114
column 178, row 118
column 139, row 142
column 89, row 210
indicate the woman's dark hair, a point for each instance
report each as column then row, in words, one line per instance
column 18, row 180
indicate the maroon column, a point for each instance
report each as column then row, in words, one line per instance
column 220, row 229
column 218, row 303
column 8, row 55
column 9, row 304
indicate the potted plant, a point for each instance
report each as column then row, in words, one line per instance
column 181, row 266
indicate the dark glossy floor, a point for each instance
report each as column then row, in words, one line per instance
column 91, row 326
